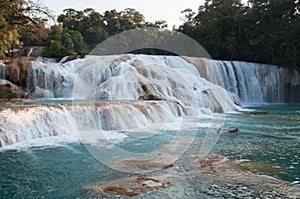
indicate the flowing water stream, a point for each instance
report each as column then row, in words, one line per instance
column 41, row 146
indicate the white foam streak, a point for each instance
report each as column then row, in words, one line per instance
column 253, row 83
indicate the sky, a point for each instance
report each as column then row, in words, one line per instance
column 168, row 10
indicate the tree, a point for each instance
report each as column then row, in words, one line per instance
column 162, row 24
column 272, row 22
column 77, row 39
column 18, row 15
column 54, row 42
column 112, row 22
column 88, row 23
column 265, row 31
column 67, row 44
column 217, row 27
column 131, row 19
column 188, row 22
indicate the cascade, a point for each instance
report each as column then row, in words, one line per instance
column 150, row 88
column 252, row 82
column 122, row 86
column 17, row 125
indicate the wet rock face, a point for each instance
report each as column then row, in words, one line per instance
column 9, row 90
column 79, row 55
column 35, row 51
column 17, row 70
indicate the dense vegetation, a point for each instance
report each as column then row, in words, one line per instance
column 23, row 23
column 266, row 31
column 21, row 20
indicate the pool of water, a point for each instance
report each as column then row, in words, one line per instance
column 272, row 139
column 65, row 170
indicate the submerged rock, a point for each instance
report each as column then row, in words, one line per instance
column 236, row 130
column 133, row 186
column 211, row 176
column 257, row 113
column 146, row 164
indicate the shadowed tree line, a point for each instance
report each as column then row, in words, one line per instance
column 265, row 31
column 23, row 23
column 21, row 20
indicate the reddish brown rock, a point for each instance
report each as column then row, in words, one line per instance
column 9, row 90
column 134, row 186
column 17, row 70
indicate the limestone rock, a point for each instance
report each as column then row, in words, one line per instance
column 17, row 70
column 9, row 90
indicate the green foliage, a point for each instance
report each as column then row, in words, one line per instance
column 67, row 44
column 264, row 31
column 87, row 28
column 55, row 49
column 64, row 42
column 78, row 31
column 77, row 39
column 95, row 27
column 17, row 16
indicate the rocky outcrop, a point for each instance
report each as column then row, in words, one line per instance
column 34, row 51
column 9, row 90
column 17, row 70
column 79, row 55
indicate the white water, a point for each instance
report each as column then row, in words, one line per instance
column 63, row 59
column 126, row 78
column 35, row 122
column 30, row 51
column 174, row 88
column 50, row 80
column 253, row 83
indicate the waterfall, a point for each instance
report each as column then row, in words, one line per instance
column 50, row 80
column 253, row 83
column 125, row 77
column 28, row 123
column 150, row 88
column 142, row 90
column 30, row 51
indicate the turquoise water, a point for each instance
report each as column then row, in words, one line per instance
column 66, row 170
column 273, row 139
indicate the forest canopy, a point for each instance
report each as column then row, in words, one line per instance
column 265, row 31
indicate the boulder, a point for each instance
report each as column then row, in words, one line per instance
column 17, row 70
column 9, row 90
column 79, row 55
